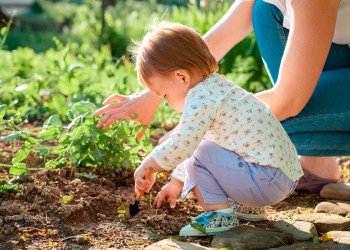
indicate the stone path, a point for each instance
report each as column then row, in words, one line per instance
column 327, row 227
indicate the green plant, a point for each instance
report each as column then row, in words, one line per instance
column 78, row 144
column 82, row 144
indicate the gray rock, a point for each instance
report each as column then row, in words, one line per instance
column 333, row 207
column 171, row 244
column 342, row 237
column 250, row 238
column 314, row 246
column 325, row 222
column 16, row 217
column 299, row 230
column 338, row 191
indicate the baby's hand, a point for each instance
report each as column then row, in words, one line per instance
column 169, row 193
column 145, row 175
column 143, row 181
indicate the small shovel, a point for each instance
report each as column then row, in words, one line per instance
column 134, row 208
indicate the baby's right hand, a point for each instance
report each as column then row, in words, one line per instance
column 169, row 193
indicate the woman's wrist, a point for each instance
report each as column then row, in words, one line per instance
column 151, row 97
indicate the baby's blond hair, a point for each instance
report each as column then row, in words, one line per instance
column 168, row 47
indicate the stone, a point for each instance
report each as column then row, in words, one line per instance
column 171, row 244
column 299, row 230
column 333, row 207
column 325, row 222
column 250, row 238
column 17, row 217
column 338, row 191
column 306, row 245
column 341, row 237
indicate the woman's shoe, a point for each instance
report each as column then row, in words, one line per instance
column 312, row 183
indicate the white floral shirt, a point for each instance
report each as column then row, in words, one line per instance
column 220, row 111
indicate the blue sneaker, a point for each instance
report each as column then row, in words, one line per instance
column 210, row 223
column 248, row 213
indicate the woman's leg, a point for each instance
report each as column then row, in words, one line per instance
column 323, row 127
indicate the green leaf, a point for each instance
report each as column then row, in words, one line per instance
column 70, row 115
column 2, row 110
column 90, row 176
column 316, row 239
column 139, row 128
column 21, row 155
column 29, row 139
column 18, row 169
column 53, row 121
column 199, row 227
column 52, row 164
column 49, row 133
column 66, row 199
column 74, row 66
column 4, row 186
column 80, row 108
column 4, row 31
column 11, row 137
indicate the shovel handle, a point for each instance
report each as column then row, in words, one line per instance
column 147, row 177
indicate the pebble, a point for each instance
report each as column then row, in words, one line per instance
column 16, row 217
column 325, row 222
column 299, row 230
column 250, row 238
column 171, row 244
column 333, row 207
column 338, row 191
column 341, row 237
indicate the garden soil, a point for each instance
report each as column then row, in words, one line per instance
column 60, row 209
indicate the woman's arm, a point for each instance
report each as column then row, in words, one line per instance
column 235, row 25
column 309, row 41
column 232, row 28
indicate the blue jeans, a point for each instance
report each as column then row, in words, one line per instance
column 322, row 128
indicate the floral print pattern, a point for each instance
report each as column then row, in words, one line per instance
column 220, row 111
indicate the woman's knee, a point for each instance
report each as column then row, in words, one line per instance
column 264, row 12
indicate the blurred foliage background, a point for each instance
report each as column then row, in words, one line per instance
column 63, row 51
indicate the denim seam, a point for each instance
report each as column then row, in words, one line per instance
column 297, row 119
column 282, row 33
column 333, row 148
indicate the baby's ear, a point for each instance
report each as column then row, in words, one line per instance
column 183, row 76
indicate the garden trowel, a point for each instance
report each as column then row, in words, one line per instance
column 134, row 208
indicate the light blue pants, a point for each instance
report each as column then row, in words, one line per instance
column 323, row 126
column 221, row 174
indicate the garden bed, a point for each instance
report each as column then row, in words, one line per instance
column 80, row 208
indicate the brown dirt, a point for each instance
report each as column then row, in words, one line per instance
column 57, row 209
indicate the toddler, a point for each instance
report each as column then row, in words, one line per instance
column 227, row 146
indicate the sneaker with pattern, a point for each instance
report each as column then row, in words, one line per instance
column 248, row 213
column 210, row 223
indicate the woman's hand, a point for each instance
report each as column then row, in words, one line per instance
column 169, row 193
column 142, row 104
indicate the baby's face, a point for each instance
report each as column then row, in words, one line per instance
column 171, row 88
